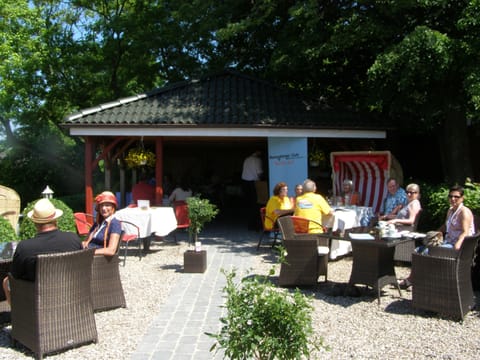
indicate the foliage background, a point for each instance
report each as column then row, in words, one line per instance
column 65, row 223
column 435, row 203
column 7, row 232
column 420, row 74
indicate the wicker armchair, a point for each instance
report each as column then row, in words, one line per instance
column 442, row 279
column 4, row 270
column 107, row 289
column 403, row 252
column 55, row 311
column 307, row 256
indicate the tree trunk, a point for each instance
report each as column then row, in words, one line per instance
column 455, row 155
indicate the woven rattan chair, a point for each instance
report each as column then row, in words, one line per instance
column 476, row 258
column 107, row 289
column 307, row 256
column 55, row 311
column 442, row 279
column 4, row 270
column 403, row 252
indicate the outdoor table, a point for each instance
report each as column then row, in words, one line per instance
column 156, row 221
column 346, row 217
column 373, row 263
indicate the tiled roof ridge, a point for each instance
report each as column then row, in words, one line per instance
column 167, row 88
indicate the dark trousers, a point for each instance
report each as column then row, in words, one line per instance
column 250, row 197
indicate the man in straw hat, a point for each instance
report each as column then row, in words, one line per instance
column 49, row 239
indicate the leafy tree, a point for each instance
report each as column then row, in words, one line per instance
column 411, row 61
column 428, row 80
column 21, row 51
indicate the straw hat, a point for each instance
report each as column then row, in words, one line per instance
column 44, row 212
column 106, row 197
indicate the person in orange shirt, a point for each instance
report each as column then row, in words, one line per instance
column 349, row 196
column 143, row 190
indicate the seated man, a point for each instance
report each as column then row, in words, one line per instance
column 49, row 239
column 395, row 200
column 312, row 206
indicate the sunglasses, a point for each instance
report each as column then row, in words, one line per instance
column 454, row 196
column 411, row 192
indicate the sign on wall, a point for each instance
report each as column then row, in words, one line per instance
column 288, row 162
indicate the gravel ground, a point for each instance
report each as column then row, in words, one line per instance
column 359, row 328
column 146, row 285
column 351, row 327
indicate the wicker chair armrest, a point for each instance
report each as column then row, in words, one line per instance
column 427, row 265
column 321, row 241
column 442, row 252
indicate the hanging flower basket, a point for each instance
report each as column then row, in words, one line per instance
column 138, row 157
column 316, row 158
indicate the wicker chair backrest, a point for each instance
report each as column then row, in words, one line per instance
column 286, row 227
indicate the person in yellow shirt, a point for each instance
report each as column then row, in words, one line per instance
column 278, row 205
column 312, row 206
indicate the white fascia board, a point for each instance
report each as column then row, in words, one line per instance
column 228, row 132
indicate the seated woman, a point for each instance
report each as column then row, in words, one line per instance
column 104, row 234
column 278, row 205
column 349, row 196
column 458, row 225
column 406, row 216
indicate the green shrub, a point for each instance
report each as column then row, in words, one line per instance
column 435, row 204
column 65, row 223
column 200, row 211
column 75, row 202
column 265, row 322
column 7, row 232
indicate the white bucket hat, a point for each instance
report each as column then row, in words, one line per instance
column 44, row 212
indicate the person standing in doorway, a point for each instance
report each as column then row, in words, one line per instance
column 252, row 171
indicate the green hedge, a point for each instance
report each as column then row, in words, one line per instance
column 65, row 223
column 7, row 232
column 435, row 203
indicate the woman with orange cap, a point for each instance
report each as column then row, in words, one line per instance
column 104, row 234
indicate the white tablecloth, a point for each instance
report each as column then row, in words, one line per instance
column 346, row 218
column 159, row 221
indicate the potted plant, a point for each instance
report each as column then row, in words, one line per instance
column 138, row 157
column 200, row 211
column 316, row 157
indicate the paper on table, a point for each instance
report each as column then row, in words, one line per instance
column 361, row 236
column 411, row 234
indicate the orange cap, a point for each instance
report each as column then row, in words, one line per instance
column 106, row 197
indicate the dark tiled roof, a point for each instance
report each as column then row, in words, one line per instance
column 220, row 100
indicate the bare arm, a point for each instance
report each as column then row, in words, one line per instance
column 466, row 219
column 414, row 209
column 111, row 249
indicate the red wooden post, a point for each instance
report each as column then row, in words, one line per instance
column 158, row 170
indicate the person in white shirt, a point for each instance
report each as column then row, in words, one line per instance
column 251, row 172
column 180, row 193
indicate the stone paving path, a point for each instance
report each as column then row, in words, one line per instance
column 194, row 304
